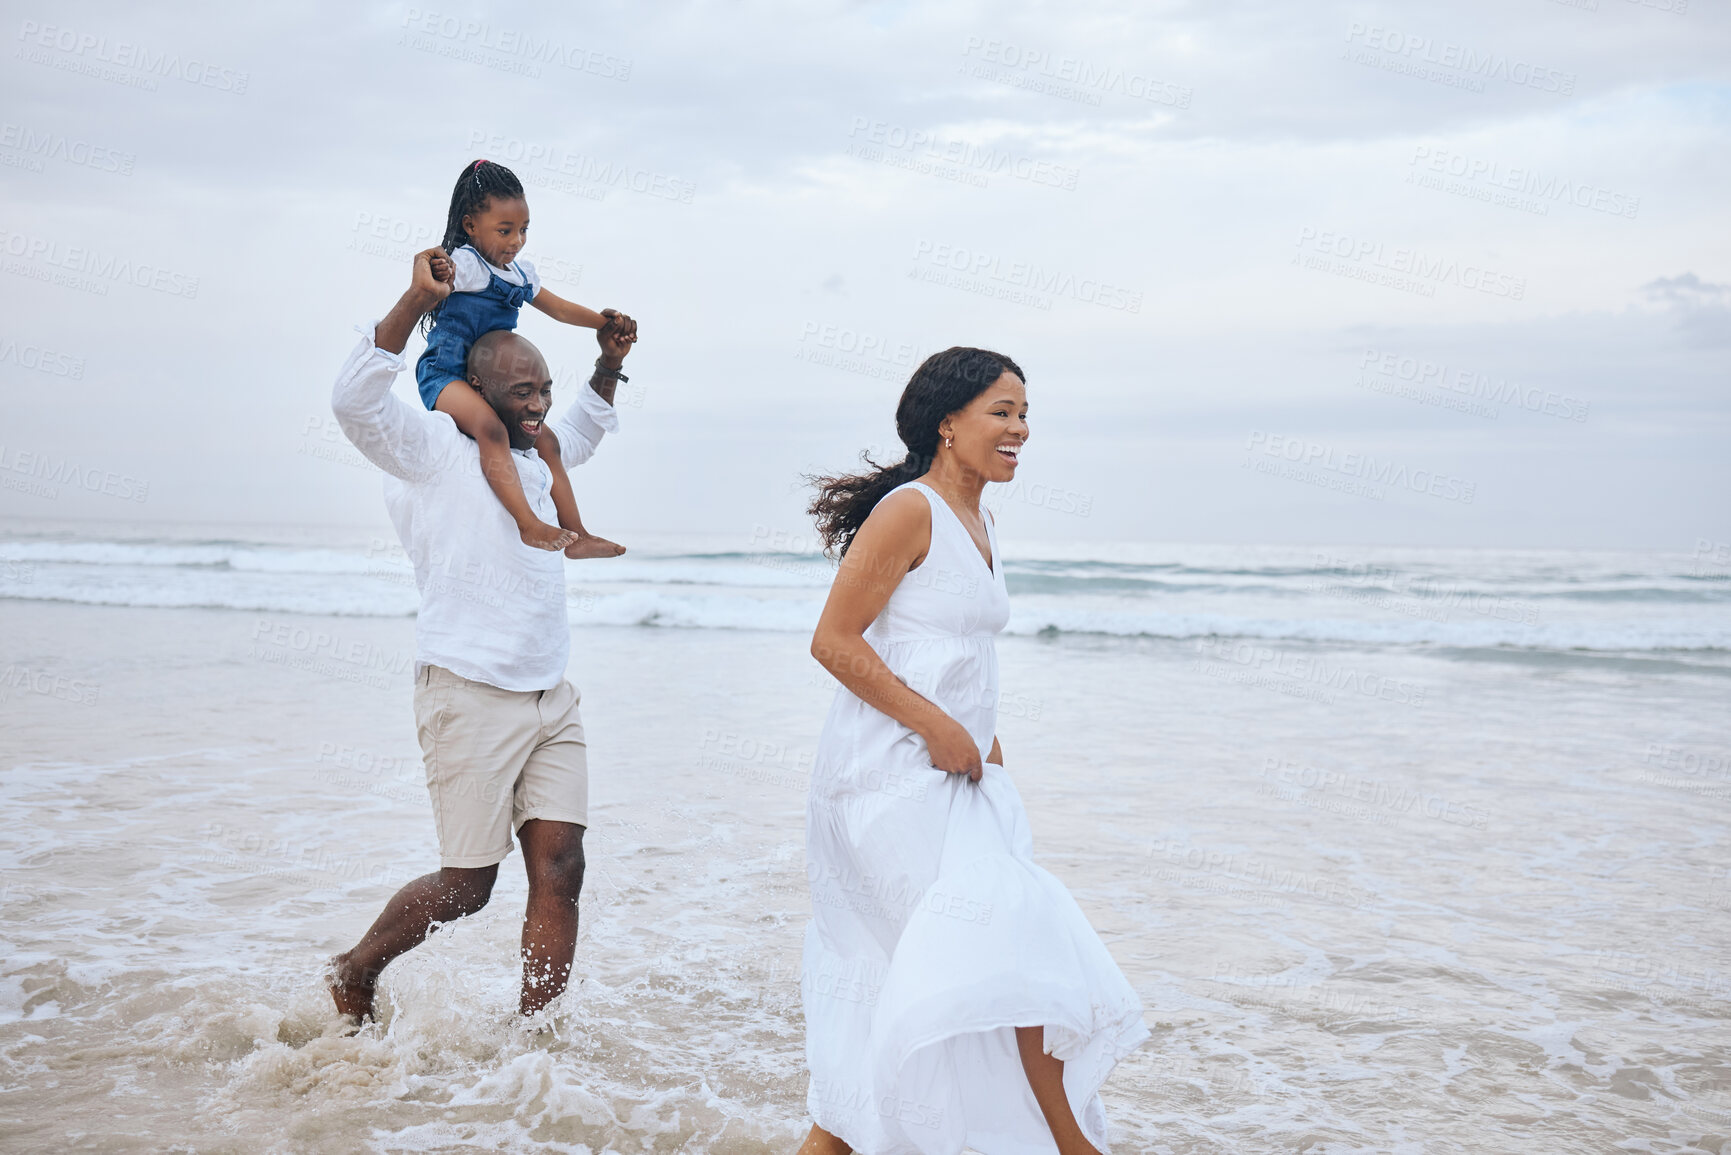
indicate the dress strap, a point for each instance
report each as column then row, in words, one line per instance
column 964, row 540
column 933, row 499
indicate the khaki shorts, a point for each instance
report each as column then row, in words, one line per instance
column 497, row 758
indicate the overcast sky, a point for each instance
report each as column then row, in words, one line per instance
column 1449, row 274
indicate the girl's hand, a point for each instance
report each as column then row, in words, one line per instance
column 619, row 325
column 425, row 281
column 952, row 748
column 444, row 269
column 616, row 336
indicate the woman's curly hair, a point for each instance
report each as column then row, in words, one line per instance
column 943, row 384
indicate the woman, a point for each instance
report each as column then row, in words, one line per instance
column 955, row 995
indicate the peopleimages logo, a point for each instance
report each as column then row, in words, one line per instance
column 910, row 147
column 464, row 36
column 86, row 52
column 1088, row 77
column 1023, row 276
column 1466, row 63
column 531, row 156
column 41, row 359
column 1473, row 384
column 1360, row 467
column 1408, row 264
column 1315, row 669
column 38, row 474
column 36, row 147
column 857, row 351
column 17, row 679
column 1517, row 181
column 97, row 266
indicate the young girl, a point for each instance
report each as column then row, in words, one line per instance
column 487, row 227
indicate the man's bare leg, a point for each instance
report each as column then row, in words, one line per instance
column 821, row 1142
column 1046, row 1077
column 587, row 544
column 553, row 856
column 443, row 896
column 463, row 404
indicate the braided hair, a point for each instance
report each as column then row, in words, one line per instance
column 478, row 183
column 944, row 383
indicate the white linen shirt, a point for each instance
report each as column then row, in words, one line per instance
column 492, row 609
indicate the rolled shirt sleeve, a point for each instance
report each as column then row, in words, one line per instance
column 403, row 441
column 582, row 425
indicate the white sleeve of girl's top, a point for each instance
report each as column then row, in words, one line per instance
column 531, row 277
column 472, row 274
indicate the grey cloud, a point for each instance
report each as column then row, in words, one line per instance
column 1130, row 198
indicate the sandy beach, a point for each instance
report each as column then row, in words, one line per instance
column 1485, row 909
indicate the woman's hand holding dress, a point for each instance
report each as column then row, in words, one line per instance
column 952, row 747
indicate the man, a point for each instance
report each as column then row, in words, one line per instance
column 497, row 720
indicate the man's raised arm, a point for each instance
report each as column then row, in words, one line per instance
column 395, row 437
column 580, row 427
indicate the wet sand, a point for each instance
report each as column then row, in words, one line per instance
column 1486, row 910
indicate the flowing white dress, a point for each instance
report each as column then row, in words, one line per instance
column 933, row 933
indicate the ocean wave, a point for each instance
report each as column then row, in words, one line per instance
column 724, row 610
column 1608, row 636
column 1468, row 574
column 239, row 556
column 1463, row 600
column 785, row 570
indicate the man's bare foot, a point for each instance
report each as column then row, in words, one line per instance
column 588, row 545
column 544, row 536
column 351, row 989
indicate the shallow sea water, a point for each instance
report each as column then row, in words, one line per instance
column 1485, row 909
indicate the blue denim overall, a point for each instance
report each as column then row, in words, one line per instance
column 459, row 323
